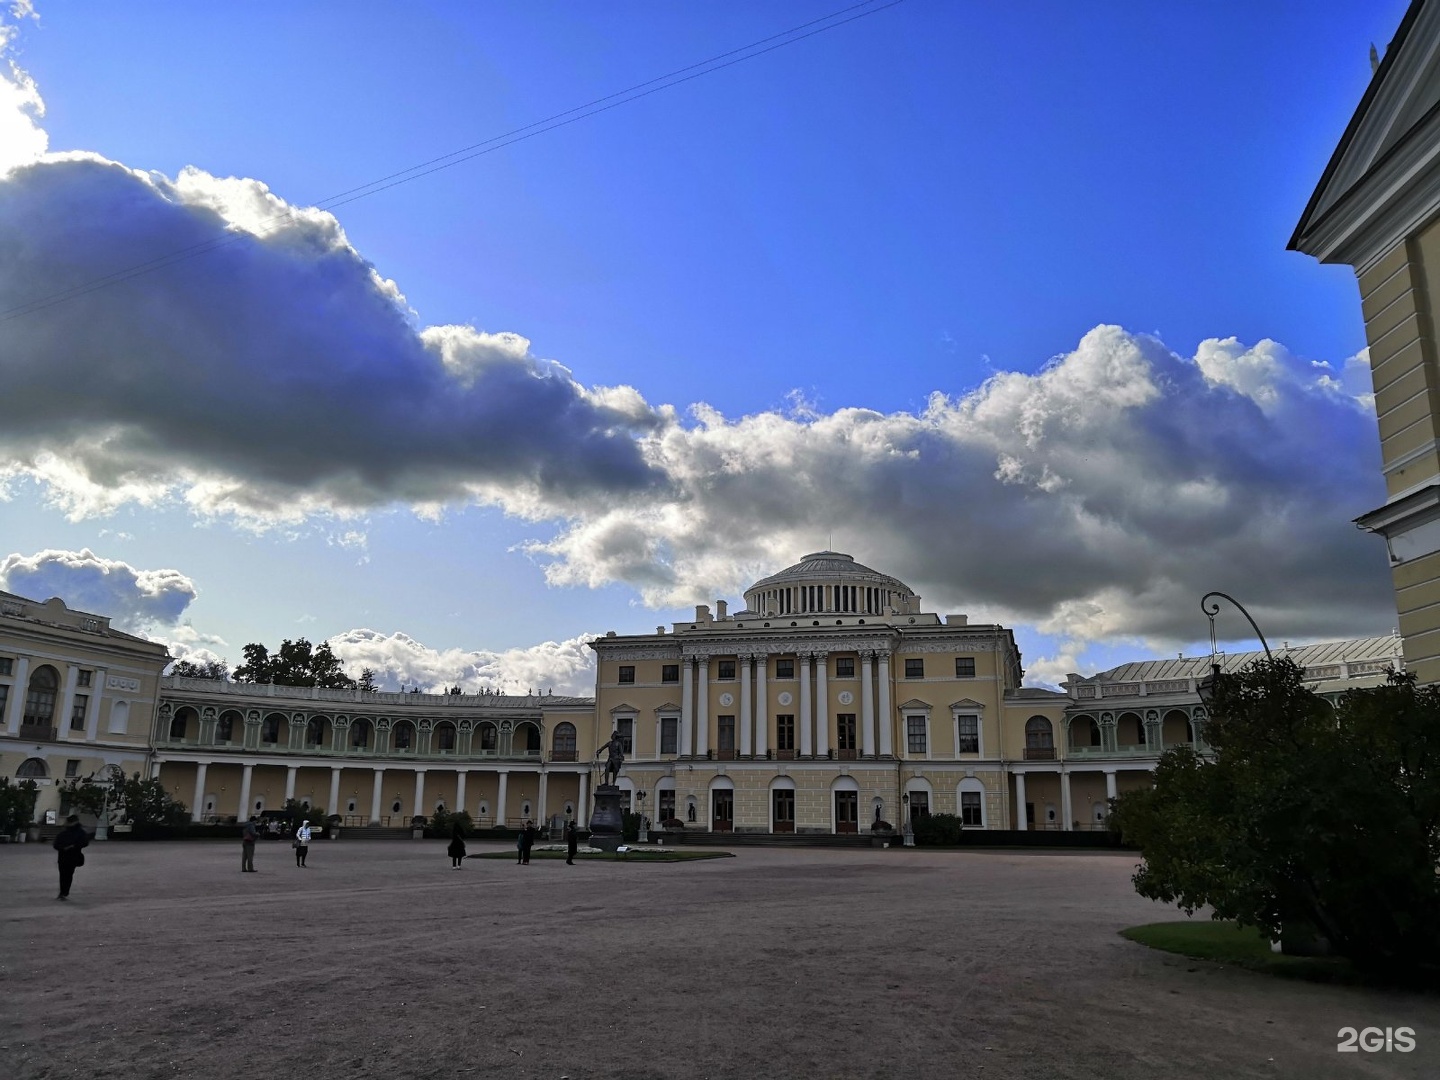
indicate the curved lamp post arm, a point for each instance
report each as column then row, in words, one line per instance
column 1213, row 609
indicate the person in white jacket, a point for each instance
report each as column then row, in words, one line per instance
column 302, row 842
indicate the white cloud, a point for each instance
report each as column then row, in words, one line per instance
column 22, row 139
column 562, row 667
column 135, row 600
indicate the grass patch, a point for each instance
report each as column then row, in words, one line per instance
column 1224, row 942
column 646, row 855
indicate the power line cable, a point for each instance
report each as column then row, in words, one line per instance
column 599, row 105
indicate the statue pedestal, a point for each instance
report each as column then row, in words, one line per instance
column 606, row 824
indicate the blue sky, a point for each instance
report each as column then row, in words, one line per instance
column 1054, row 216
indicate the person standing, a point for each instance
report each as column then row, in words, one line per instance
column 71, row 846
column 302, row 842
column 248, row 836
column 572, row 842
column 457, row 846
column 527, row 841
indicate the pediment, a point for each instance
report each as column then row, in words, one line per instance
column 967, row 705
column 915, row 704
column 626, row 709
column 668, row 707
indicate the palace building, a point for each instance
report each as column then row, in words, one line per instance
column 831, row 700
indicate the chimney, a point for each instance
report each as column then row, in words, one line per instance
column 702, row 613
column 721, row 607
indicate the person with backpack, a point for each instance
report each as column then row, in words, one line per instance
column 71, row 846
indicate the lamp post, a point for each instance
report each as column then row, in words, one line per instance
column 1206, row 687
column 644, row 835
column 907, row 831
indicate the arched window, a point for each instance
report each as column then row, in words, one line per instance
column 529, row 737
column 40, row 697
column 404, row 735
column 489, row 739
column 32, row 769
column 563, row 743
column 1084, row 732
column 270, row 729
column 225, row 727
column 315, row 732
column 445, row 737
column 360, row 733
column 1039, row 739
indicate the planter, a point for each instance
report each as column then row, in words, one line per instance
column 335, row 833
column 32, row 833
column 417, row 834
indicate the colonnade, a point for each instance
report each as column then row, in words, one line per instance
column 1065, row 808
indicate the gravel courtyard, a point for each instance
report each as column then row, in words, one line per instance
column 380, row 961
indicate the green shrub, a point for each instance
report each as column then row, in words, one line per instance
column 938, row 830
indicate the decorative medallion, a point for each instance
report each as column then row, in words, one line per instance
column 727, row 699
column 785, row 698
column 846, row 697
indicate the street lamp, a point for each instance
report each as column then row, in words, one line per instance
column 644, row 834
column 1206, row 687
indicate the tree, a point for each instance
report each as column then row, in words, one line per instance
column 1308, row 816
column 297, row 663
column 17, row 804
column 366, row 681
column 209, row 669
column 146, row 802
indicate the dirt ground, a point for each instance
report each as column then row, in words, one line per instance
column 380, row 961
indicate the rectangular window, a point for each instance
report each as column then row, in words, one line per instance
column 669, row 673
column 84, row 678
column 915, row 667
column 72, row 767
column 78, row 710
column 4, row 697
column 725, row 669
column 627, row 673
column 727, row 733
column 844, row 667
column 964, row 667
column 969, row 735
column 669, row 735
column 970, row 808
column 785, row 732
column 626, row 727
column 666, row 809
column 845, row 731
column 7, row 665
column 915, row 734
column 784, row 669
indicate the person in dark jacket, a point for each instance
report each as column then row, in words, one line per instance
column 572, row 842
column 527, row 841
column 248, row 836
column 457, row 846
column 71, row 846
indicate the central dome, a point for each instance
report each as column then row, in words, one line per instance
column 830, row 581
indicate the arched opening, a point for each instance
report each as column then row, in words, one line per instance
column 722, row 804
column 228, row 727
column 1129, row 731
column 359, row 733
column 782, row 805
column 527, row 740
column 917, row 799
column 273, row 728
column 1039, row 739
column 1175, row 728
column 404, row 737
column 317, row 732
column 489, row 738
column 1084, row 733
column 32, row 768
column 445, row 737
column 40, row 699
column 563, row 743
column 845, row 801
column 970, row 801
column 185, row 724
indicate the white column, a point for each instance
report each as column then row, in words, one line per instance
column 197, row 808
column 744, row 705
column 243, row 814
column 582, row 808
column 540, row 799
column 1020, row 822
column 803, row 720
column 460, row 788
column 822, row 706
column 67, row 700
column 376, row 785
column 290, row 782
column 687, row 707
column 1110, row 784
column 419, row 793
column 883, row 717
column 702, row 707
column 867, row 706
column 1065, row 800
column 16, row 708
column 762, row 705
column 97, row 693
column 333, row 806
column 500, row 798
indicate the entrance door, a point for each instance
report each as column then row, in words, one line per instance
column 847, row 809
column 784, row 803
column 1029, row 815
column 723, row 807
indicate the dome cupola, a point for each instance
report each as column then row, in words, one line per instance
column 831, row 583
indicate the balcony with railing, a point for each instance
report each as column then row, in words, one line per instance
column 38, row 732
column 404, row 753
